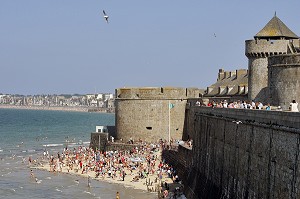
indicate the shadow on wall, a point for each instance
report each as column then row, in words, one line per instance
column 263, row 96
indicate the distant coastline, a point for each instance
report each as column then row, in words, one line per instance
column 59, row 108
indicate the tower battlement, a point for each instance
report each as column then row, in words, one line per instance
column 157, row 93
column 266, row 48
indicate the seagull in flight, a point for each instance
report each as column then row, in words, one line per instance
column 105, row 16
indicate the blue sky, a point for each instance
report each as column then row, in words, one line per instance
column 65, row 46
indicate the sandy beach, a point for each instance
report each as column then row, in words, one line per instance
column 52, row 108
column 59, row 108
column 156, row 179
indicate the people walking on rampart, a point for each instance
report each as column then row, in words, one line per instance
column 225, row 104
column 294, row 106
column 249, row 105
column 260, row 105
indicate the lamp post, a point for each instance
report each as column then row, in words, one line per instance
column 170, row 105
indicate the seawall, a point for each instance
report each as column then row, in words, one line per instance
column 257, row 158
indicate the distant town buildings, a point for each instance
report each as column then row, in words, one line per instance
column 100, row 100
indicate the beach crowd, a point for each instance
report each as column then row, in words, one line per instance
column 141, row 165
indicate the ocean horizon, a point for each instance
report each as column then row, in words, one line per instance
column 28, row 133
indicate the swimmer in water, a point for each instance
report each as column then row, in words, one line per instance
column 32, row 174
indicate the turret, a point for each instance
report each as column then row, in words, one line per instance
column 274, row 39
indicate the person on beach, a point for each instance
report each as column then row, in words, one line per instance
column 29, row 160
column 166, row 193
column 117, row 195
column 141, row 162
column 89, row 181
column 123, row 174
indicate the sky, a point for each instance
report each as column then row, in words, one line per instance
column 66, row 47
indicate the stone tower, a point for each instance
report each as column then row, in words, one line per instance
column 274, row 39
column 145, row 113
column 284, row 75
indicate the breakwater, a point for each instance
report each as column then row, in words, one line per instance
column 257, row 157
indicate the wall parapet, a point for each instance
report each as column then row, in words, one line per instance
column 156, row 93
column 281, row 118
column 265, row 48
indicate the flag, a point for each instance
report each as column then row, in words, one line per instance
column 171, row 105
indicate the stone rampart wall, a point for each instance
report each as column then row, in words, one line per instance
column 258, row 158
column 179, row 160
column 99, row 141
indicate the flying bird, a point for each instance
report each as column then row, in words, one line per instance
column 215, row 35
column 105, row 16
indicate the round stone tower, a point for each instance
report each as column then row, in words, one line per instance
column 274, row 39
column 148, row 113
column 284, row 84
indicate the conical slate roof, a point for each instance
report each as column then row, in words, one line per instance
column 276, row 29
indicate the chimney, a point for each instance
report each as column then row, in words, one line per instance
column 227, row 74
column 221, row 75
column 241, row 73
column 232, row 73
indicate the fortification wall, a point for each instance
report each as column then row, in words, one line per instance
column 143, row 113
column 284, row 84
column 258, row 158
column 99, row 141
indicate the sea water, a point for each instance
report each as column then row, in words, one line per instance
column 28, row 133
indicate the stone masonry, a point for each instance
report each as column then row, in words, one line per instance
column 284, row 80
column 144, row 113
column 257, row 158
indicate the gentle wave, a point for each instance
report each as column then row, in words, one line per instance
column 29, row 151
column 52, row 145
